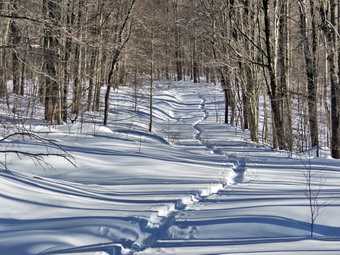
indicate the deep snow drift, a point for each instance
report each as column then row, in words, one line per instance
column 192, row 186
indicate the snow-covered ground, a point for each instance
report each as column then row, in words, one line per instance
column 193, row 186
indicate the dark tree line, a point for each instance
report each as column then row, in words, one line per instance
column 278, row 62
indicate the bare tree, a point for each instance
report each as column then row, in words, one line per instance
column 313, row 189
column 122, row 36
column 311, row 70
column 51, row 149
column 14, row 39
column 328, row 16
column 67, row 51
column 178, row 38
column 51, row 9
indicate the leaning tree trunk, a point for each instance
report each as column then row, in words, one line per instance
column 121, row 42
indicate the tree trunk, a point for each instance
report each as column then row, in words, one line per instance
column 225, row 84
column 66, row 54
column 99, row 79
column 52, row 93
column 22, row 76
column 3, row 62
column 252, row 105
column 92, row 79
column 109, row 86
column 3, row 80
column 195, row 69
column 282, row 71
column 311, row 75
column 100, row 62
column 178, row 50
column 278, row 134
column 120, row 42
column 78, row 57
column 14, row 40
column 152, row 67
column 328, row 16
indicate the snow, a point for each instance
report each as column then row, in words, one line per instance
column 192, row 186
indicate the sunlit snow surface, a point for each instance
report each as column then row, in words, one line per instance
column 192, row 186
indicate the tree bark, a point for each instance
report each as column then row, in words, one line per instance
column 178, row 50
column 52, row 94
column 14, row 40
column 278, row 134
column 120, row 45
column 310, row 74
column 282, row 71
column 3, row 62
column 152, row 70
column 328, row 16
column 92, row 79
column 78, row 57
column 195, row 68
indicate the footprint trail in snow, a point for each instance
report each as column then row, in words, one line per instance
column 163, row 216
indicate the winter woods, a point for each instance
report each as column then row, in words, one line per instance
column 277, row 62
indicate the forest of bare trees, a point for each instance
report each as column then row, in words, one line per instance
column 277, row 62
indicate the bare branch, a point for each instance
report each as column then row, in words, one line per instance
column 38, row 157
column 20, row 18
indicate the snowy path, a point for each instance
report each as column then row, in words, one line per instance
column 162, row 220
column 166, row 215
column 193, row 186
column 239, row 164
column 259, row 204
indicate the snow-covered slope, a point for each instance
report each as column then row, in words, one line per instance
column 192, row 186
